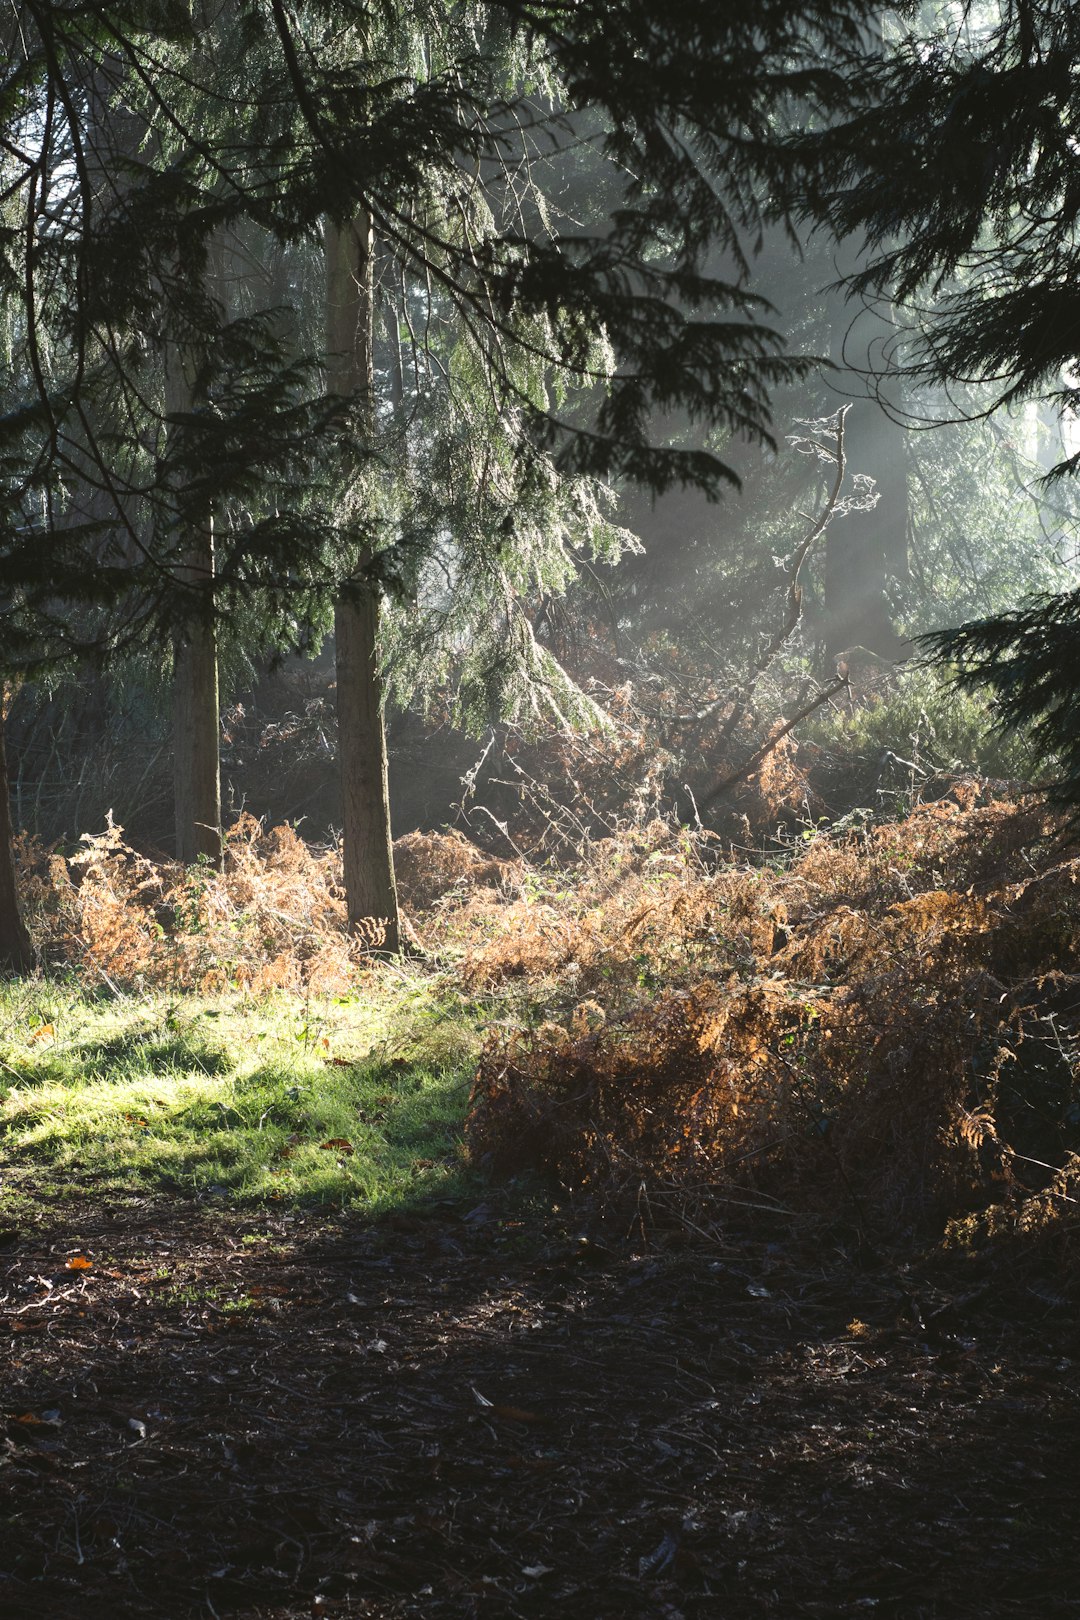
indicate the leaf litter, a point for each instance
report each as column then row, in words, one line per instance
column 739, row 1392
column 341, row 1420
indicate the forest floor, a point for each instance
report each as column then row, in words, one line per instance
column 676, row 1237
column 295, row 1414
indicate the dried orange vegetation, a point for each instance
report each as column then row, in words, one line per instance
column 881, row 1022
column 888, row 1025
column 432, row 866
column 275, row 918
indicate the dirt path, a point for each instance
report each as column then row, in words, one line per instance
column 284, row 1418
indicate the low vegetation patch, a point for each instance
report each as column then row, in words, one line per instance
column 883, row 1026
column 878, row 1024
column 349, row 1100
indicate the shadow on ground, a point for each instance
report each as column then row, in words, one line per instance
column 279, row 1416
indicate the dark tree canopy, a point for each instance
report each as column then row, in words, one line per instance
column 136, row 135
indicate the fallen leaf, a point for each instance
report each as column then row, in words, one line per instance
column 517, row 1414
column 78, row 1262
column 534, row 1571
column 338, row 1144
column 661, row 1559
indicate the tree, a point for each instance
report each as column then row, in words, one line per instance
column 195, row 709
column 158, row 454
column 866, row 549
column 959, row 167
column 527, row 300
column 370, row 889
column 16, row 951
column 583, row 334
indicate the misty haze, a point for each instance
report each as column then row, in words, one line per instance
column 539, row 784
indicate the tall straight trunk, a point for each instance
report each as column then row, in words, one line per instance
column 370, row 887
column 195, row 712
column 196, row 731
column 867, row 551
column 16, row 952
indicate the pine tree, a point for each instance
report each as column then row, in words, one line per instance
column 581, row 334
column 370, row 888
column 959, row 168
column 576, row 340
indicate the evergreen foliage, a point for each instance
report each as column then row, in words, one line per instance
column 1030, row 657
column 140, row 138
column 959, row 169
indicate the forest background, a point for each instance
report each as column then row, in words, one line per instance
column 538, row 888
column 615, row 427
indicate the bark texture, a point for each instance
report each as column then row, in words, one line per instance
column 16, row 951
column 370, row 887
column 196, row 752
column 196, row 721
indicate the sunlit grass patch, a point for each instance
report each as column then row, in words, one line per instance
column 354, row 1099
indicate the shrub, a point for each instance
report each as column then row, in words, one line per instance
column 919, row 717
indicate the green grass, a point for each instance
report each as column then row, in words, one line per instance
column 352, row 1101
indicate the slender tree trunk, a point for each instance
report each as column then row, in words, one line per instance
column 370, row 888
column 196, row 731
column 16, row 952
column 195, row 706
column 196, row 721
column 867, row 550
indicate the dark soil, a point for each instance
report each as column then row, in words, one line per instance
column 282, row 1416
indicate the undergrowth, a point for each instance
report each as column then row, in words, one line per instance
column 353, row 1100
column 923, row 722
column 873, row 1023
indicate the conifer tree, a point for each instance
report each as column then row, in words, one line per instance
column 370, row 887
column 323, row 114
column 958, row 166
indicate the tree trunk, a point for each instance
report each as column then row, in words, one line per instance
column 370, row 888
column 866, row 550
column 196, row 753
column 196, row 719
column 16, row 952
